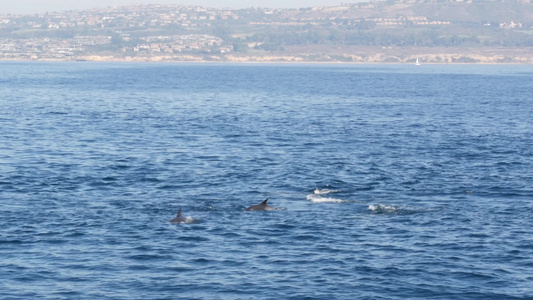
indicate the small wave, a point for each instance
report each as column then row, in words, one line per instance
column 57, row 113
column 318, row 199
column 278, row 208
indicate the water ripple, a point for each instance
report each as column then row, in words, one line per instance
column 420, row 195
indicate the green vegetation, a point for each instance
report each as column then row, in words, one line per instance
column 172, row 29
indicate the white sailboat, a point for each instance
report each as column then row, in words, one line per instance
column 417, row 62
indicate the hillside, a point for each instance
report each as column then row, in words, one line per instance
column 391, row 31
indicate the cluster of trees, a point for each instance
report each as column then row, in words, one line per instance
column 275, row 40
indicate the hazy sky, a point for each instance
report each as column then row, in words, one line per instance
column 41, row 6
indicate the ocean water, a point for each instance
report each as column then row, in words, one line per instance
column 423, row 180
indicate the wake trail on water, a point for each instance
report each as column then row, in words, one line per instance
column 319, row 199
column 316, row 197
column 395, row 209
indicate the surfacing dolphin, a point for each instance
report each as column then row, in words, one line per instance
column 180, row 219
column 262, row 206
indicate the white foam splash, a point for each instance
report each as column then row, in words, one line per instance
column 381, row 208
column 188, row 220
column 318, row 199
column 392, row 209
column 324, row 191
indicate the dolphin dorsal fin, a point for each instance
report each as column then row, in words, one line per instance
column 264, row 202
column 179, row 213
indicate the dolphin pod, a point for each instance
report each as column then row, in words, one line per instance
column 262, row 206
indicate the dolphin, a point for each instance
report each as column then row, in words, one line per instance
column 180, row 219
column 262, row 206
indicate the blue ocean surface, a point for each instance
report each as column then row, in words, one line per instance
column 389, row 181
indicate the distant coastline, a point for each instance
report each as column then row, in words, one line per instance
column 398, row 31
column 363, row 55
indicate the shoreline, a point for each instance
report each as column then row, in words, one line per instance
column 263, row 62
column 313, row 55
column 270, row 61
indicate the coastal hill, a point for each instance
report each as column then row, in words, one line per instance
column 435, row 31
